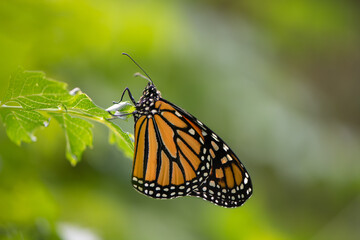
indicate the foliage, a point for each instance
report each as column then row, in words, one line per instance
column 32, row 100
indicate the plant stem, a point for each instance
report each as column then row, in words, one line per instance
column 76, row 113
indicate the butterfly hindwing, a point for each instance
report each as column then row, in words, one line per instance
column 229, row 184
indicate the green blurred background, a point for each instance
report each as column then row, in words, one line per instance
column 278, row 80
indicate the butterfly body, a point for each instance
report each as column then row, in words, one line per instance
column 177, row 155
column 146, row 103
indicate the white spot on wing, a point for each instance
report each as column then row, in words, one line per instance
column 215, row 137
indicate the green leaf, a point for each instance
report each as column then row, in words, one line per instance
column 83, row 104
column 32, row 90
column 122, row 140
column 78, row 135
column 31, row 98
column 21, row 124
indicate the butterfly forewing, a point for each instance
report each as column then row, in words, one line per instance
column 170, row 158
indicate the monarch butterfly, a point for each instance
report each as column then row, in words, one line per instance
column 177, row 155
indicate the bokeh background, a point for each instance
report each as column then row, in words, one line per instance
column 278, row 80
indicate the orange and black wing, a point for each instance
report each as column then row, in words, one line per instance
column 229, row 184
column 170, row 159
column 177, row 155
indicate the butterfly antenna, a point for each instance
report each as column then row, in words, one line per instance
column 148, row 77
column 142, row 76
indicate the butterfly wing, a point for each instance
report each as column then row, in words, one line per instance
column 170, row 157
column 229, row 183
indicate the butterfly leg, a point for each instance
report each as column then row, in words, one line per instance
column 118, row 105
column 122, row 96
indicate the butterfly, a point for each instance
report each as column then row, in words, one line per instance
column 177, row 155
